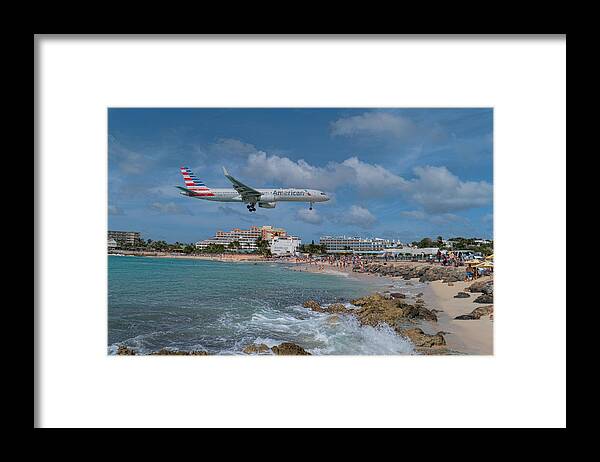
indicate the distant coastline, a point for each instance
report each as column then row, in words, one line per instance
column 233, row 257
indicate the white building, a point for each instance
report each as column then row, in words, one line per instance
column 112, row 244
column 337, row 244
column 288, row 245
column 246, row 238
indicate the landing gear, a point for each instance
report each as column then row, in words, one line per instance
column 251, row 207
column 310, row 208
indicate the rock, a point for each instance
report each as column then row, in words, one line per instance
column 375, row 309
column 311, row 304
column 397, row 295
column 256, row 348
column 336, row 308
column 478, row 313
column 450, row 284
column 287, row 348
column 485, row 286
column 123, row 350
column 421, row 339
column 462, row 295
column 165, row 352
column 484, row 298
column 418, row 311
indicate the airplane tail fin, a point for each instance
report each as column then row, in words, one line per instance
column 192, row 182
column 194, row 185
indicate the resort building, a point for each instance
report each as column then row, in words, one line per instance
column 342, row 244
column 245, row 237
column 269, row 232
column 112, row 244
column 125, row 237
column 288, row 245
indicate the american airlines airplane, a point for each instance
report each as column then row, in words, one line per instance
column 265, row 198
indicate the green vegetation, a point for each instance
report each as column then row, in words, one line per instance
column 313, row 248
column 463, row 243
column 457, row 243
column 263, row 247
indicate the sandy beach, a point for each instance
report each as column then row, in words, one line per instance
column 474, row 336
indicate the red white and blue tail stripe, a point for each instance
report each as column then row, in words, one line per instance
column 194, row 184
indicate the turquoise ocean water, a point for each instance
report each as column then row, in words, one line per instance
column 220, row 307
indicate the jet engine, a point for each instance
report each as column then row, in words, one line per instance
column 267, row 198
column 267, row 205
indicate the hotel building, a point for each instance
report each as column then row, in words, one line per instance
column 246, row 237
column 341, row 244
column 124, row 237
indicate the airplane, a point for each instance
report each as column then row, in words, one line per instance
column 265, row 198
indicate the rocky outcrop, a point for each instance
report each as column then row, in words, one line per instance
column 376, row 309
column 123, row 350
column 397, row 295
column 485, row 286
column 333, row 308
column 462, row 295
column 256, row 348
column 484, row 298
column 311, row 304
column 478, row 313
column 424, row 272
column 166, row 352
column 287, row 348
column 336, row 308
column 422, row 340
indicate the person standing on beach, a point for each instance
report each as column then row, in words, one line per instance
column 469, row 273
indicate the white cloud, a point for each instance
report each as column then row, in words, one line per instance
column 373, row 123
column 357, row 216
column 309, row 216
column 435, row 189
column 128, row 161
column 438, row 190
column 416, row 214
column 373, row 178
column 370, row 179
column 296, row 173
column 231, row 146
column 115, row 210
column 169, row 208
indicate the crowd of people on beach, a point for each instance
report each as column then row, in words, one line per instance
column 356, row 263
column 341, row 262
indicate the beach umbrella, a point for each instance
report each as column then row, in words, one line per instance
column 490, row 257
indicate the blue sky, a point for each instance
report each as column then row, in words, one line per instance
column 397, row 173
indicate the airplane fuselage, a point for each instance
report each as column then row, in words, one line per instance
column 267, row 195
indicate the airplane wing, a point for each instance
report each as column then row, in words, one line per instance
column 247, row 193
